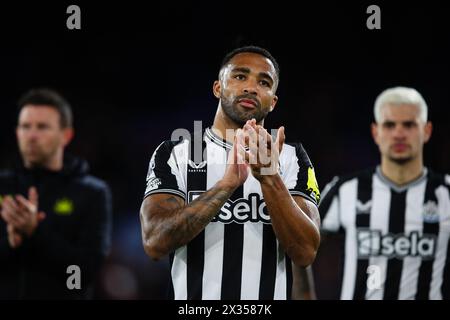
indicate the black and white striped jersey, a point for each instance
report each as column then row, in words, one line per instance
column 237, row 255
column 396, row 238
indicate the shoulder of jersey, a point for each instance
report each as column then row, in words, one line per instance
column 368, row 172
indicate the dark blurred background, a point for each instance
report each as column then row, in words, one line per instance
column 135, row 72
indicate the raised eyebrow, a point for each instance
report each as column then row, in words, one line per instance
column 241, row 69
column 265, row 75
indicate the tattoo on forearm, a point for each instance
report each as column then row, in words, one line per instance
column 203, row 209
column 189, row 220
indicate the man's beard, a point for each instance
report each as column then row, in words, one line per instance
column 38, row 158
column 401, row 161
column 240, row 117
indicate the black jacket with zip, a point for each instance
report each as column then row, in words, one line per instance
column 76, row 231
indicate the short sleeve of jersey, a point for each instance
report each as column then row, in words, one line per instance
column 329, row 206
column 164, row 174
column 298, row 173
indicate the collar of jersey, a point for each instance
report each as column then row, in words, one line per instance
column 216, row 139
column 404, row 187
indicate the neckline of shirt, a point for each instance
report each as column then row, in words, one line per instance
column 404, row 187
column 216, row 139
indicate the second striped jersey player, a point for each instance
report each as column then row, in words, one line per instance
column 395, row 217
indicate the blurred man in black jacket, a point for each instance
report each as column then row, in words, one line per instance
column 53, row 214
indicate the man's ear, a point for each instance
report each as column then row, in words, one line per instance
column 374, row 131
column 68, row 134
column 274, row 102
column 216, row 89
column 428, row 130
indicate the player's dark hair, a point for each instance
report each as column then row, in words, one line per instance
column 251, row 49
column 51, row 98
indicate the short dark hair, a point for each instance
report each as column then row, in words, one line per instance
column 51, row 98
column 252, row 49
